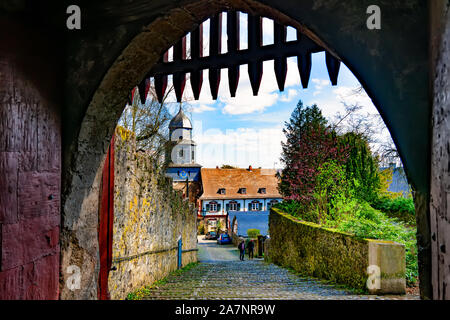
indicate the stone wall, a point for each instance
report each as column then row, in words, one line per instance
column 148, row 219
column 313, row 250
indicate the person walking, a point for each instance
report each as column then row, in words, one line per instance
column 241, row 248
column 251, row 245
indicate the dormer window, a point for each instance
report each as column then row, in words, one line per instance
column 222, row 191
column 262, row 190
column 243, row 190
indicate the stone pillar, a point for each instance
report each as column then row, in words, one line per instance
column 387, row 258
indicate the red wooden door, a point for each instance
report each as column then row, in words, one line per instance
column 30, row 162
column 106, row 219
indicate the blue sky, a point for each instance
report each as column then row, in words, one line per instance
column 247, row 130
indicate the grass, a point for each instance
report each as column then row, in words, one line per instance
column 146, row 290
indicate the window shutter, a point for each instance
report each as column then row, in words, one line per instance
column 207, row 207
column 260, row 206
column 218, row 206
column 250, row 206
column 238, row 207
column 227, row 207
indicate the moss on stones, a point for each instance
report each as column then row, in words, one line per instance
column 320, row 252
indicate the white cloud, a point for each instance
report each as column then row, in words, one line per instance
column 201, row 108
column 319, row 84
column 291, row 94
column 240, row 147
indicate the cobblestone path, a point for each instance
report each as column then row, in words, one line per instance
column 249, row 279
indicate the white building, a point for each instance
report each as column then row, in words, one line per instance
column 236, row 190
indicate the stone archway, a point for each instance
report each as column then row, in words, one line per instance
column 85, row 154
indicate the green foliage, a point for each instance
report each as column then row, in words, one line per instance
column 219, row 225
column 385, row 180
column 331, row 189
column 227, row 166
column 400, row 208
column 367, row 222
column 201, row 228
column 348, row 193
column 253, row 233
column 361, row 167
column 303, row 118
column 297, row 209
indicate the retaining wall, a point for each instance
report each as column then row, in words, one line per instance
column 310, row 249
column 148, row 219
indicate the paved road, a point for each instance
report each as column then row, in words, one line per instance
column 210, row 251
column 220, row 275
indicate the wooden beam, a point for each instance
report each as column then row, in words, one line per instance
column 215, row 45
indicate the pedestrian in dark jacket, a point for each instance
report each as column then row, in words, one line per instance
column 241, row 248
column 251, row 245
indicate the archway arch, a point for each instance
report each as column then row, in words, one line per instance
column 333, row 22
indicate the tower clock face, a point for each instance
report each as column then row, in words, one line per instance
column 183, row 174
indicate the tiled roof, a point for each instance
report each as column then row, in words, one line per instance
column 235, row 179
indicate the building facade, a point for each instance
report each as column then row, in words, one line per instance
column 217, row 191
column 230, row 190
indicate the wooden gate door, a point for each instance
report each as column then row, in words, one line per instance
column 106, row 220
column 30, row 162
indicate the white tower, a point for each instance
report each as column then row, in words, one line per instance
column 180, row 131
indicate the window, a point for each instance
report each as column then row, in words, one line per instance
column 262, row 190
column 243, row 190
column 233, row 206
column 181, row 153
column 213, row 207
column 192, row 155
column 255, row 206
column 222, row 191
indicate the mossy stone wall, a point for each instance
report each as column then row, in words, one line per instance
column 310, row 249
column 149, row 216
column 313, row 250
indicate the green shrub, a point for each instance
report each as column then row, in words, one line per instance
column 296, row 209
column 201, row 228
column 367, row 222
column 253, row 233
column 400, row 208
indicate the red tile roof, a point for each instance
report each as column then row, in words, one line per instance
column 235, row 179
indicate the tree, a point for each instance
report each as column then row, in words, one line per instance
column 301, row 117
column 149, row 123
column 228, row 166
column 361, row 167
column 309, row 144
